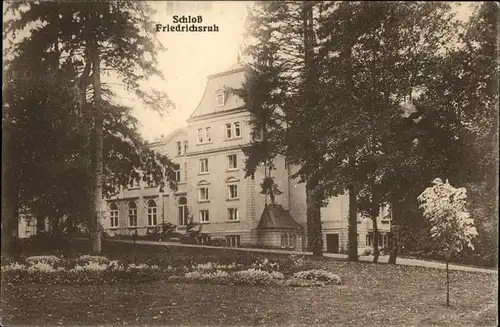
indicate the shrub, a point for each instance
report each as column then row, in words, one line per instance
column 255, row 277
column 368, row 251
column 319, row 275
column 292, row 264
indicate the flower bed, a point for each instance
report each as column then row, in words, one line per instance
column 261, row 272
column 84, row 270
column 95, row 269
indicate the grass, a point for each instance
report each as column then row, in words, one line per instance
column 371, row 295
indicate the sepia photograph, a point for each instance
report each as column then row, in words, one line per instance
column 250, row 163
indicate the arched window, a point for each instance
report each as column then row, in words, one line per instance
column 132, row 214
column 183, row 211
column 152, row 213
column 113, row 215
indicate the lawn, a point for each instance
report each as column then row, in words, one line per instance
column 370, row 295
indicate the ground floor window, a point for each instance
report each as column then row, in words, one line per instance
column 152, row 213
column 233, row 240
column 183, row 211
column 132, row 214
column 383, row 239
column 288, row 240
column 113, row 215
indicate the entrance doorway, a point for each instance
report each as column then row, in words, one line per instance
column 332, row 243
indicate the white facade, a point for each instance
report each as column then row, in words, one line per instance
column 213, row 190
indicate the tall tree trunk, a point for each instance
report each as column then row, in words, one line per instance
column 314, row 228
column 96, row 225
column 376, row 251
column 40, row 223
column 395, row 226
column 352, row 242
column 352, row 226
column 10, row 228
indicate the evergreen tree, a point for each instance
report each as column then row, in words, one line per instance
column 279, row 92
column 86, row 39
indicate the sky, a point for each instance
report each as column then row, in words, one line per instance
column 190, row 57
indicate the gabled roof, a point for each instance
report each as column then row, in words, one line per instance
column 275, row 216
column 231, row 78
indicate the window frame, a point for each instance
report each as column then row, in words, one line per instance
column 203, row 190
column 235, row 210
column 201, row 161
column 199, row 136
column 134, row 215
column 220, row 94
column 114, row 214
column 208, row 134
column 179, row 148
column 177, row 173
column 229, row 195
column 232, row 240
column 229, row 156
column 182, row 211
column 258, row 135
column 233, row 130
column 204, row 216
column 229, row 131
column 152, row 213
column 134, row 184
column 237, row 127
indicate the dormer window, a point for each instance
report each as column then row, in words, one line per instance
column 219, row 98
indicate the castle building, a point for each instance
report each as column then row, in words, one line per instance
column 213, row 190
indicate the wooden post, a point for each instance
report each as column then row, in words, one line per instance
column 447, row 285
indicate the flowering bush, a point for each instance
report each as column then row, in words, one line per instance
column 242, row 277
column 218, row 276
column 48, row 259
column 85, row 259
column 256, row 277
column 446, row 209
column 14, row 266
column 41, row 266
column 452, row 226
column 319, row 275
column 265, row 265
column 261, row 272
